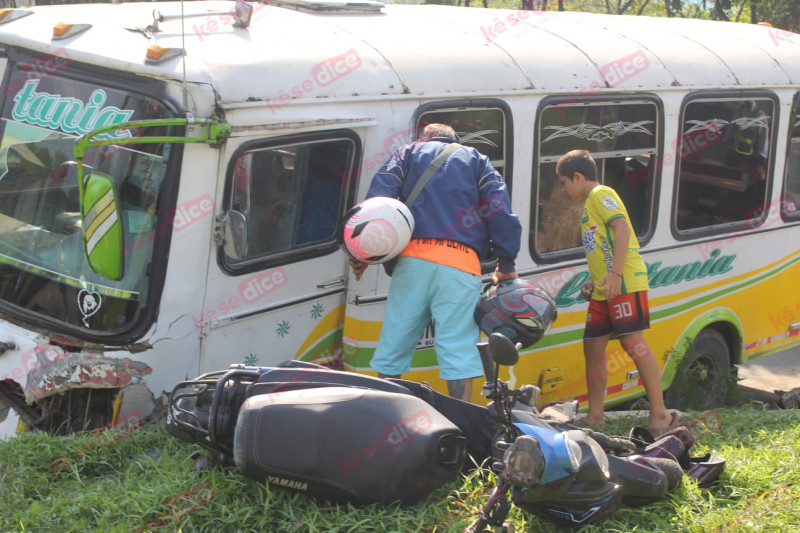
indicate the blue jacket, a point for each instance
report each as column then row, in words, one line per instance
column 465, row 201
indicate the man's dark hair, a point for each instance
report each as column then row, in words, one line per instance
column 577, row 161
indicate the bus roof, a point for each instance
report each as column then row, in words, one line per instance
column 421, row 51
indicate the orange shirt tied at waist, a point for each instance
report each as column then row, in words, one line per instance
column 445, row 252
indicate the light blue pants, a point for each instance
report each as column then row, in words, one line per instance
column 420, row 290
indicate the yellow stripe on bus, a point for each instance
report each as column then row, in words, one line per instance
column 368, row 331
column 329, row 323
column 671, row 298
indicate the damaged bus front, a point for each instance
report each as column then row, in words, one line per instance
column 81, row 268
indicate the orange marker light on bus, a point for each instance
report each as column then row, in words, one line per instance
column 157, row 53
column 62, row 30
column 8, row 14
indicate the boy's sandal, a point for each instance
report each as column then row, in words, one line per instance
column 581, row 423
column 673, row 423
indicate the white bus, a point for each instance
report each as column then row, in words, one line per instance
column 173, row 179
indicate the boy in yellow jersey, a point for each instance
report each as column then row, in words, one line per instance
column 617, row 292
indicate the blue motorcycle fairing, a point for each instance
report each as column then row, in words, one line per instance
column 558, row 464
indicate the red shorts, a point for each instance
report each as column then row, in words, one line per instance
column 627, row 313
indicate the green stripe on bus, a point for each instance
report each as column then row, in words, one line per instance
column 427, row 357
column 325, row 347
column 703, row 299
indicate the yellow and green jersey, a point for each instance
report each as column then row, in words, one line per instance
column 600, row 208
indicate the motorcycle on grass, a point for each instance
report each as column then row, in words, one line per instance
column 347, row 437
column 549, row 467
column 559, row 472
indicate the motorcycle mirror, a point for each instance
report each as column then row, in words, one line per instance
column 503, row 350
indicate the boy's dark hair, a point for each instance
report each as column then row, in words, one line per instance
column 577, row 161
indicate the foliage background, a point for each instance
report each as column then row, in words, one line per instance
column 784, row 14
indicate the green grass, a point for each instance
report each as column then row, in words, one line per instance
column 148, row 477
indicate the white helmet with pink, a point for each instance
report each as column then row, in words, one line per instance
column 377, row 229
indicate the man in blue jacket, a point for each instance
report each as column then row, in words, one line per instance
column 438, row 275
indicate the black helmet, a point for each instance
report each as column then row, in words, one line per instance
column 518, row 309
column 573, row 505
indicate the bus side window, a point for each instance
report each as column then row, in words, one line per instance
column 623, row 139
column 724, row 160
column 319, row 208
column 273, row 205
column 483, row 124
column 637, row 171
column 484, row 128
column 790, row 204
column 559, row 219
column 291, row 196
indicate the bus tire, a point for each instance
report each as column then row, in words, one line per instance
column 702, row 379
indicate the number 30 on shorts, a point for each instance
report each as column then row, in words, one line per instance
column 622, row 310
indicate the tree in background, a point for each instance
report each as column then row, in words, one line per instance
column 676, row 8
column 782, row 14
column 611, row 7
column 728, row 10
column 721, row 8
column 621, row 7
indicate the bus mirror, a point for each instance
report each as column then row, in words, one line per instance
column 102, row 226
column 235, row 234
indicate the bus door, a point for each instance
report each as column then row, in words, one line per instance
column 276, row 287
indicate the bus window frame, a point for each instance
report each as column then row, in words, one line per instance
column 794, row 114
column 323, row 248
column 571, row 254
column 740, row 225
column 477, row 104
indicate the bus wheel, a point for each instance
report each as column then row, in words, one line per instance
column 703, row 378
